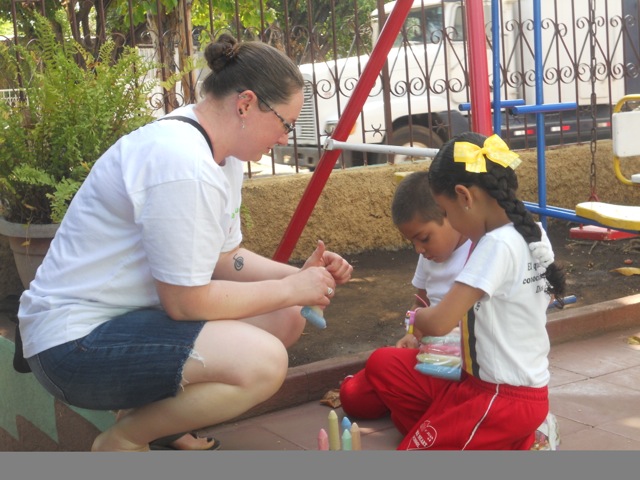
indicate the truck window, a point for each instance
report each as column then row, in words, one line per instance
column 412, row 29
column 458, row 25
column 459, row 22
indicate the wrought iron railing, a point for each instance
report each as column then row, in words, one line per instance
column 426, row 78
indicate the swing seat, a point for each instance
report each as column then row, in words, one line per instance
column 625, row 145
column 625, row 141
column 614, row 216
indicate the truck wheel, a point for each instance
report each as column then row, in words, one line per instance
column 422, row 138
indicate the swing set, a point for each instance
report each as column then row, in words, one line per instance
column 626, row 145
column 599, row 217
column 604, row 221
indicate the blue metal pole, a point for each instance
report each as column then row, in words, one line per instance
column 545, row 108
column 495, row 35
column 466, row 106
column 540, row 141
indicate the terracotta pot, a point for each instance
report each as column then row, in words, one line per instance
column 29, row 244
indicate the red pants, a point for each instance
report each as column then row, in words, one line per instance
column 440, row 414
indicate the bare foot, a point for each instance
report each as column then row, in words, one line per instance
column 108, row 442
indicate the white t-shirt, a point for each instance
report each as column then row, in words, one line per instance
column 504, row 336
column 437, row 278
column 155, row 206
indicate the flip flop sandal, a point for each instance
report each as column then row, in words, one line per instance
column 164, row 443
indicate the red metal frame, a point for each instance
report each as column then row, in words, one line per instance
column 478, row 69
column 480, row 103
column 353, row 108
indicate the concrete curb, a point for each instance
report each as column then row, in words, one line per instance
column 310, row 382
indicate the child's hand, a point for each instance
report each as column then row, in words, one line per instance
column 408, row 341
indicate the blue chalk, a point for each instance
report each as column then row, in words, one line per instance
column 313, row 317
column 346, row 424
column 449, row 373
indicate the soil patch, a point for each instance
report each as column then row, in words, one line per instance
column 368, row 312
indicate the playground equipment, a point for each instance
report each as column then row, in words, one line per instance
column 625, row 141
column 481, row 121
column 599, row 215
column 592, row 213
column 626, row 144
column 343, row 127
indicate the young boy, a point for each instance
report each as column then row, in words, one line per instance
column 442, row 251
column 442, row 254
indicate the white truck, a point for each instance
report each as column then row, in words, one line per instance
column 428, row 81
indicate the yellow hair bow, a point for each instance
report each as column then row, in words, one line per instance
column 475, row 157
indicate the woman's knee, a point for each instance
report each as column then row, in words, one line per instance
column 265, row 374
column 272, row 361
column 237, row 354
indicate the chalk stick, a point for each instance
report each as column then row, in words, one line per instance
column 314, row 316
column 334, row 431
column 345, row 424
column 355, row 437
column 346, row 440
column 449, row 373
column 323, row 440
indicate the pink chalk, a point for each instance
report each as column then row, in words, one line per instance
column 323, row 440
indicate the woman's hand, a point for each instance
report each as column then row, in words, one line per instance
column 337, row 266
column 313, row 286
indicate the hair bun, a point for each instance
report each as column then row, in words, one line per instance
column 232, row 51
column 219, row 53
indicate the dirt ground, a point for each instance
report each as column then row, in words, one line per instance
column 368, row 312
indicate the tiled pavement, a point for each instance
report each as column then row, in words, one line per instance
column 594, row 392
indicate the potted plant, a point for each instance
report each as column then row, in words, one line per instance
column 70, row 107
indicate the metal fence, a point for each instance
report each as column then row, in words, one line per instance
column 591, row 57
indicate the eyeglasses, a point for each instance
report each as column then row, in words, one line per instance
column 288, row 127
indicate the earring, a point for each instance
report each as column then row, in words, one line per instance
column 466, row 207
column 241, row 117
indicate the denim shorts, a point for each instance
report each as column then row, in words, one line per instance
column 129, row 361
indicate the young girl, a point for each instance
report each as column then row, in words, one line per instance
column 502, row 295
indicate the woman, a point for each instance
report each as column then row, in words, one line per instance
column 146, row 302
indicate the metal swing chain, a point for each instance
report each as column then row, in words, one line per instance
column 594, row 137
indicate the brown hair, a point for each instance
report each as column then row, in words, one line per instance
column 237, row 66
column 413, row 197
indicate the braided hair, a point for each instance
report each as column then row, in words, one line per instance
column 501, row 183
